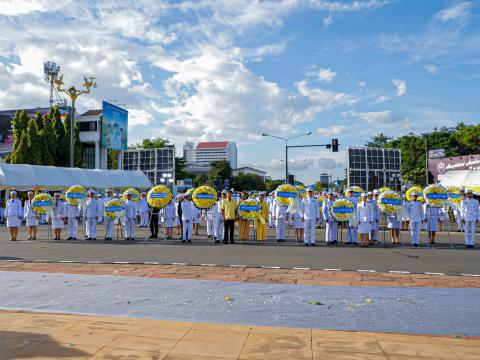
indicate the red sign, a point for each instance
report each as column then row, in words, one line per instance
column 438, row 167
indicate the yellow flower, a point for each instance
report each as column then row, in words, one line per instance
column 383, row 189
column 435, row 195
column 419, row 190
column 249, row 209
column 159, row 196
column 114, row 209
column 286, row 194
column 454, row 195
column 321, row 200
column 390, row 202
column 204, row 197
column 76, row 195
column 356, row 191
column 301, row 191
column 135, row 194
column 343, row 210
column 42, row 203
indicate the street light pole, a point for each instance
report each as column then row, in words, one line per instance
column 286, row 148
column 73, row 94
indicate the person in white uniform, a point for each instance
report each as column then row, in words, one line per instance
column 458, row 212
column 470, row 213
column 210, row 221
column 13, row 214
column 109, row 223
column 58, row 214
column 143, row 210
column 331, row 224
column 130, row 215
column 352, row 230
column 168, row 213
column 187, row 219
column 72, row 213
column 271, row 214
column 298, row 224
column 310, row 215
column 219, row 221
column 364, row 216
column 280, row 218
column 30, row 217
column 91, row 213
column 416, row 215
column 196, row 218
column 376, row 212
column 432, row 215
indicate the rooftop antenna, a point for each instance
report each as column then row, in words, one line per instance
column 50, row 74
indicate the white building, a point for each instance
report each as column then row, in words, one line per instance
column 249, row 170
column 199, row 158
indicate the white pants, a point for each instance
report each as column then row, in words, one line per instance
column 72, row 227
column 144, row 218
column 187, row 230
column 352, row 233
column 469, row 232
column 130, row 228
column 459, row 223
column 309, row 234
column 280, row 227
column 92, row 227
column 210, row 227
column 415, row 228
column 109, row 226
column 374, row 231
column 331, row 231
column 218, row 231
column 271, row 222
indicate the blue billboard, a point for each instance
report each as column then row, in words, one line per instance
column 114, row 127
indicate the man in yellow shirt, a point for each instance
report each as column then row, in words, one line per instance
column 261, row 224
column 229, row 212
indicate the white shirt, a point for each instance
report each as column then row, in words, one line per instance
column 415, row 211
column 326, row 210
column 72, row 211
column 187, row 210
column 13, row 208
column 469, row 209
column 310, row 208
column 27, row 210
column 130, row 209
column 58, row 209
column 364, row 212
column 90, row 209
column 169, row 211
column 142, row 205
column 280, row 211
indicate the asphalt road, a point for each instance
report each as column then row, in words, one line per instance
column 439, row 258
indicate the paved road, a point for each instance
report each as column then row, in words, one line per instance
column 439, row 259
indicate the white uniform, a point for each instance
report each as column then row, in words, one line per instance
column 109, row 223
column 218, row 231
column 29, row 215
column 352, row 231
column 130, row 214
column 196, row 214
column 168, row 213
column 281, row 220
column 13, row 213
column 297, row 217
column 72, row 212
column 91, row 213
column 210, row 219
column 377, row 214
column 271, row 214
column 58, row 213
column 432, row 214
column 187, row 217
column 143, row 212
column 364, row 216
column 470, row 213
column 393, row 221
column 331, row 223
column 458, row 216
column 416, row 216
column 310, row 214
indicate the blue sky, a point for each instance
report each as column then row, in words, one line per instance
column 230, row 70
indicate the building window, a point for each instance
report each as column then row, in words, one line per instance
column 88, row 155
column 88, row 125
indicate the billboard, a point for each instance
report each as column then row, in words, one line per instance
column 436, row 154
column 438, row 167
column 114, row 127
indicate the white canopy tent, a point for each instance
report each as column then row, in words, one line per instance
column 19, row 176
column 468, row 179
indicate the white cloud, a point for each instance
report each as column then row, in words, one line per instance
column 326, row 75
column 338, row 6
column 328, row 163
column 401, row 86
column 371, row 117
column 19, row 7
column 380, row 99
column 431, row 69
column 331, row 130
column 361, row 85
column 327, row 21
column 457, row 11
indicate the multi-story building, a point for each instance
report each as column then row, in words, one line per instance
column 158, row 164
column 199, row 158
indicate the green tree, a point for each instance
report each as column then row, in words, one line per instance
column 48, row 148
column 379, row 141
column 199, row 180
column 19, row 125
column 39, row 120
column 151, row 143
column 271, row 185
column 468, row 138
column 59, row 141
column 77, row 150
column 34, row 144
column 20, row 156
column 112, row 159
column 248, row 182
column 220, row 170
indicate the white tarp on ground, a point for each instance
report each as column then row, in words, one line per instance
column 462, row 178
column 19, row 176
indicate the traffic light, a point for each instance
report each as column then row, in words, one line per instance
column 334, row 145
